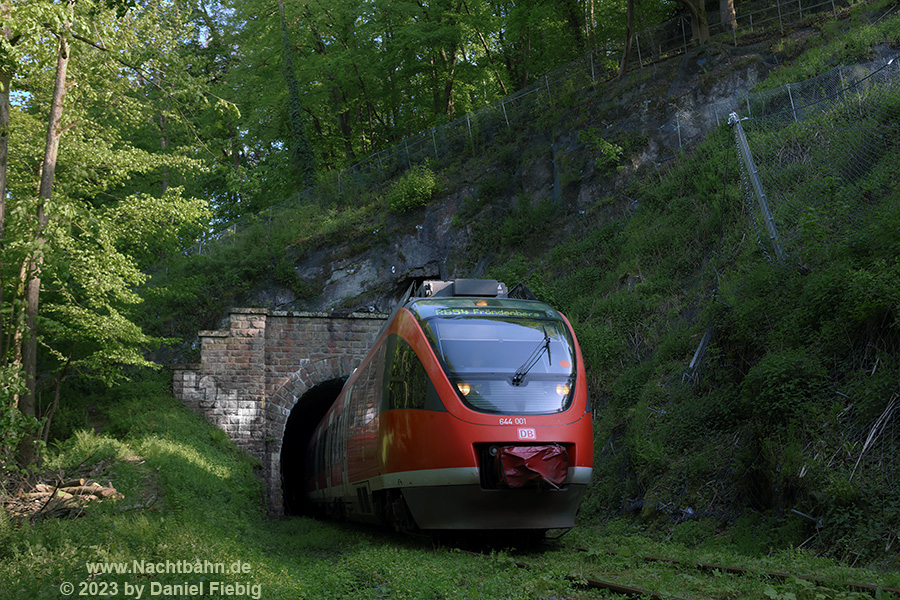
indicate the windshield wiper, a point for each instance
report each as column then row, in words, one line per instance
column 522, row 371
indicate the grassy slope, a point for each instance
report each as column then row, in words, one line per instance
column 207, row 508
column 787, row 390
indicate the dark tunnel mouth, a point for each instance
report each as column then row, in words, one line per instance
column 301, row 423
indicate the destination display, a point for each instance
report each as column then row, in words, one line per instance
column 492, row 311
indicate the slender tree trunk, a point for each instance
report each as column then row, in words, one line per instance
column 33, row 287
column 5, row 80
column 301, row 151
column 56, row 389
column 727, row 14
column 575, row 20
column 163, row 123
column 629, row 37
column 699, row 22
column 589, row 27
column 487, row 51
column 447, row 97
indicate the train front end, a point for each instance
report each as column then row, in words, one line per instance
column 511, row 446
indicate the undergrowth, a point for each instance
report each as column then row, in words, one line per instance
column 766, row 435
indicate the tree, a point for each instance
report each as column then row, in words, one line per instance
column 699, row 23
column 36, row 259
column 727, row 14
column 6, row 41
column 301, row 152
column 629, row 36
column 74, row 286
column 538, row 36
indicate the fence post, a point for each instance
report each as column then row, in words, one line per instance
column 690, row 374
column 637, row 43
column 678, row 128
column 791, row 98
column 833, row 9
column 753, row 175
column 683, row 35
column 408, row 158
column 547, row 84
column 434, row 142
column 780, row 22
column 505, row 118
column 843, row 83
column 593, row 76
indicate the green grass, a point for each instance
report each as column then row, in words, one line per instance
column 208, row 508
column 842, row 42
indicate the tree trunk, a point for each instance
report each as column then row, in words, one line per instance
column 5, row 80
column 487, row 51
column 56, row 390
column 699, row 22
column 727, row 14
column 163, row 123
column 589, row 27
column 629, row 37
column 301, row 151
column 33, row 287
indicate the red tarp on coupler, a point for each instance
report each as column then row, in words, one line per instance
column 520, row 465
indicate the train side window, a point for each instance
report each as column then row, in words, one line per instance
column 408, row 384
column 349, row 406
column 337, row 439
column 320, row 450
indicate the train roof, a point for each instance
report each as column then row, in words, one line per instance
column 475, row 298
column 467, row 288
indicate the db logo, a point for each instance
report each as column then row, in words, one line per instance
column 527, row 434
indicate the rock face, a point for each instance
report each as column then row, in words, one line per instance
column 375, row 278
column 667, row 106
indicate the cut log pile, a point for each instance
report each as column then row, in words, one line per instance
column 62, row 498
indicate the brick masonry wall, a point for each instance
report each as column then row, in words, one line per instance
column 252, row 374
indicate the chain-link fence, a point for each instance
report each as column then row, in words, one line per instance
column 819, row 164
column 467, row 134
column 814, row 152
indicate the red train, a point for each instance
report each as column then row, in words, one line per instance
column 470, row 412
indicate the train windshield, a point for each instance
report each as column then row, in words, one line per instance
column 506, row 364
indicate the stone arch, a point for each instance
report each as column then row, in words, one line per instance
column 307, row 390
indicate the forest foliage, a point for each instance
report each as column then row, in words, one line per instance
column 131, row 130
column 181, row 117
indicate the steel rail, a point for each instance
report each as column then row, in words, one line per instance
column 597, row 584
column 865, row 587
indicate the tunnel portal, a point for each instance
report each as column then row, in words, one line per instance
column 268, row 379
column 298, row 430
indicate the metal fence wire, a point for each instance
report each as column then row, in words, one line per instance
column 819, row 162
column 814, row 155
column 469, row 134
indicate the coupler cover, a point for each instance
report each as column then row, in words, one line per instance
column 520, row 466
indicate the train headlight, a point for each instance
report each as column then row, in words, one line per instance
column 464, row 388
column 562, row 389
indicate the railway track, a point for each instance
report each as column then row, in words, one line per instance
column 634, row 591
column 873, row 589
